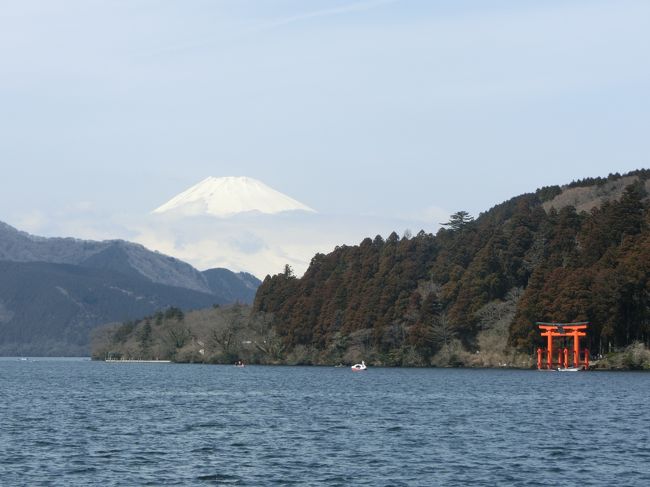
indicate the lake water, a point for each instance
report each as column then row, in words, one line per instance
column 73, row 422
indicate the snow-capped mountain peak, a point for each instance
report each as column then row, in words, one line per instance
column 227, row 196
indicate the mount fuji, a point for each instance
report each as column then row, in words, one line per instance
column 236, row 223
column 240, row 223
column 228, row 196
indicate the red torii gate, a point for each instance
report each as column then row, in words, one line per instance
column 552, row 330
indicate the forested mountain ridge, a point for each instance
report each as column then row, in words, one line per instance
column 474, row 290
column 127, row 257
column 50, row 309
column 18, row 246
column 53, row 291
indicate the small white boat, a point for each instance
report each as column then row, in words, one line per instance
column 359, row 367
column 569, row 369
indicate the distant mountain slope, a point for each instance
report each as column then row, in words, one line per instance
column 19, row 246
column 587, row 197
column 49, row 309
column 54, row 290
column 241, row 286
column 477, row 285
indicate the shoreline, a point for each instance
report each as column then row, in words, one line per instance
column 594, row 367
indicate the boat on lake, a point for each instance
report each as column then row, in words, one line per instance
column 569, row 369
column 359, row 367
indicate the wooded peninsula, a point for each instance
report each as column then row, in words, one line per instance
column 469, row 295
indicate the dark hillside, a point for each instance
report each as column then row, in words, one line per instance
column 462, row 294
column 50, row 309
column 53, row 291
column 232, row 287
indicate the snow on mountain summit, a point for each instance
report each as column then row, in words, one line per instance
column 227, row 196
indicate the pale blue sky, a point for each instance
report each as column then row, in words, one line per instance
column 350, row 106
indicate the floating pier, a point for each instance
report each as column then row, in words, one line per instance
column 136, row 361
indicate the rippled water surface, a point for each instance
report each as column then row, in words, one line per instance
column 73, row 422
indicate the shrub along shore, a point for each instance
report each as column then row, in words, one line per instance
column 227, row 334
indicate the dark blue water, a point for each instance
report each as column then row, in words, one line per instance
column 67, row 422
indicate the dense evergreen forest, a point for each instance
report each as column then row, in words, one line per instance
column 471, row 294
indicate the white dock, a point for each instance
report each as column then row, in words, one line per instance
column 136, row 361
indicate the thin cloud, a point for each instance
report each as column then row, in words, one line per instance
column 274, row 24
column 354, row 7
